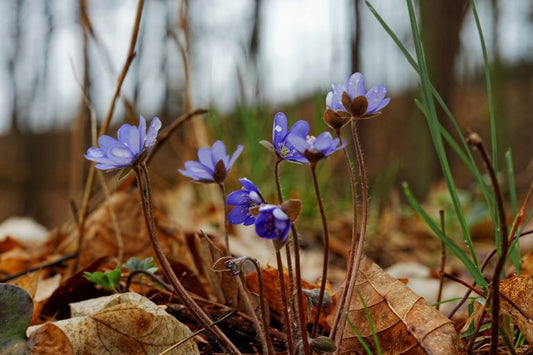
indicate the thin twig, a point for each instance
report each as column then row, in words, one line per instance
column 475, row 140
column 199, row 331
column 442, row 259
column 167, row 132
column 90, row 178
column 39, row 267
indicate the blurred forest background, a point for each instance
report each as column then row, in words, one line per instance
column 245, row 60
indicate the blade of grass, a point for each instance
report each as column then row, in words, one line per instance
column 471, row 267
column 370, row 322
column 434, row 128
column 359, row 337
column 488, row 81
column 514, row 251
column 470, row 163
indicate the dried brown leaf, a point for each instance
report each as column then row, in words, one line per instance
column 48, row 339
column 518, row 290
column 125, row 323
column 403, row 321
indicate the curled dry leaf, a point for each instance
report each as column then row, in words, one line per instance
column 124, row 324
column 403, row 321
column 518, row 290
column 48, row 339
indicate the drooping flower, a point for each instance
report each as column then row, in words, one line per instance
column 244, row 200
column 272, row 223
column 316, row 148
column 213, row 165
column 121, row 153
column 351, row 100
column 283, row 148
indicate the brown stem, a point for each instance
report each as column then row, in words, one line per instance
column 266, row 341
column 442, row 260
column 349, row 268
column 196, row 311
column 314, row 331
column 287, row 314
column 226, row 222
column 167, row 132
column 92, row 171
column 364, row 218
column 518, row 219
column 299, row 292
column 269, row 346
column 476, row 141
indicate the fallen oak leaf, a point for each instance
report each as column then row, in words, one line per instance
column 517, row 289
column 48, row 339
column 403, row 322
column 125, row 323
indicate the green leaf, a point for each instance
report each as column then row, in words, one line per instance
column 135, row 264
column 107, row 279
column 16, row 311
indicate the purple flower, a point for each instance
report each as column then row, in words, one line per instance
column 121, row 153
column 213, row 164
column 316, row 148
column 245, row 199
column 272, row 223
column 352, row 100
column 284, row 149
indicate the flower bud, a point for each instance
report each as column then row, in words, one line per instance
column 322, row 345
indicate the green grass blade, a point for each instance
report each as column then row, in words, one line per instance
column 359, row 337
column 434, row 128
column 471, row 267
column 488, row 81
column 470, row 163
column 514, row 252
column 370, row 322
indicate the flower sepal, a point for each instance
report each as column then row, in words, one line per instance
column 336, row 119
column 268, row 145
column 292, row 208
column 220, row 172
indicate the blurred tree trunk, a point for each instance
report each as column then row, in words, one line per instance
column 356, row 37
column 12, row 67
column 441, row 24
column 499, row 84
column 442, row 21
column 81, row 124
column 254, row 47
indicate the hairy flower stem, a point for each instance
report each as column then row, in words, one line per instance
column 226, row 222
column 349, row 268
column 314, row 331
column 287, row 314
column 196, row 311
column 265, row 340
column 362, row 232
column 476, row 141
column 268, row 339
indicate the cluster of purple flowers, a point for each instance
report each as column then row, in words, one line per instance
column 344, row 103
